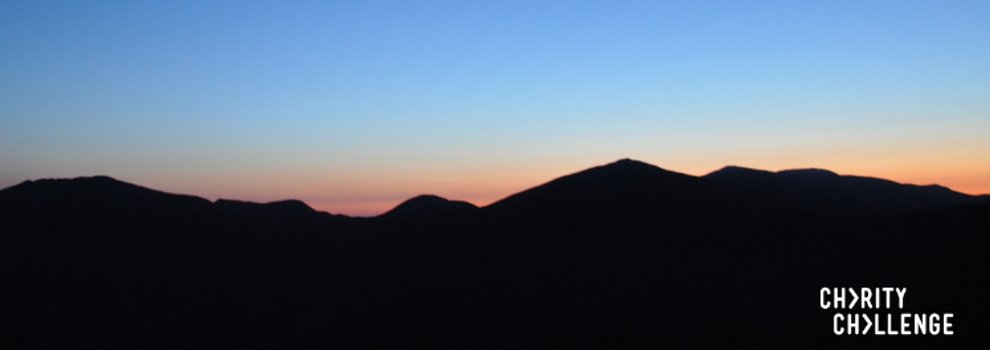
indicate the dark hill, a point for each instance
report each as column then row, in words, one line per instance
column 624, row 185
column 286, row 206
column 93, row 191
column 429, row 206
column 823, row 186
column 625, row 255
column 92, row 203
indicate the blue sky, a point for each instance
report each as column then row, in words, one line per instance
column 353, row 106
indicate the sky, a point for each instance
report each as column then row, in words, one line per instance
column 355, row 106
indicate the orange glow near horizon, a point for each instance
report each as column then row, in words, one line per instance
column 369, row 194
column 974, row 185
column 368, row 187
column 353, row 109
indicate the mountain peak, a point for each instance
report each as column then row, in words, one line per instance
column 624, row 169
column 815, row 185
column 427, row 198
column 429, row 205
column 735, row 170
column 622, row 183
column 95, row 179
column 627, row 163
column 97, row 183
column 284, row 205
column 84, row 193
column 816, row 172
column 292, row 204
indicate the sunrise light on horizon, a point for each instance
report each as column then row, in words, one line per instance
column 354, row 107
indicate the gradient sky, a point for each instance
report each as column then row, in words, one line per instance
column 354, row 106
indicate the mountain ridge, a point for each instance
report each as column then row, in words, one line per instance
column 623, row 170
column 825, row 186
column 624, row 255
column 428, row 205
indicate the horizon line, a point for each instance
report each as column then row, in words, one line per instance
column 484, row 205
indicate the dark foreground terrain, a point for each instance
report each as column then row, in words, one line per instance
column 625, row 255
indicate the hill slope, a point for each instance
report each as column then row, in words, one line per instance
column 618, row 256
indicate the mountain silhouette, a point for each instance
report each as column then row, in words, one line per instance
column 95, row 191
column 429, row 206
column 284, row 206
column 817, row 185
column 616, row 182
column 624, row 255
